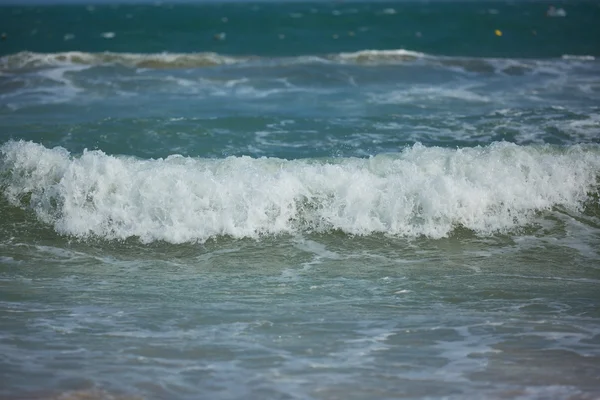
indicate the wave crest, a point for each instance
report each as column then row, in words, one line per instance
column 28, row 59
column 418, row 192
column 379, row 56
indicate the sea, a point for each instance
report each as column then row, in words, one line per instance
column 300, row 200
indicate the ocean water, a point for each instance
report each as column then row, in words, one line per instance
column 330, row 200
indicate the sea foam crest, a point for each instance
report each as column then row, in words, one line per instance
column 420, row 191
column 26, row 59
column 379, row 56
column 372, row 57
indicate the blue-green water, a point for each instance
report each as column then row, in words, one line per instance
column 300, row 201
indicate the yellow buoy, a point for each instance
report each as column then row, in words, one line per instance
column 498, row 32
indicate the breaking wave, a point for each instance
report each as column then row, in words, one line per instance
column 420, row 191
column 27, row 60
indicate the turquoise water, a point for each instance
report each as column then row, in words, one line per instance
column 300, row 201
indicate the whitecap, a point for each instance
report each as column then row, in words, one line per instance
column 419, row 192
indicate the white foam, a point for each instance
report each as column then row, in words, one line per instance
column 28, row 59
column 556, row 12
column 371, row 57
column 578, row 57
column 317, row 249
column 378, row 56
column 58, row 88
column 420, row 191
column 580, row 130
column 426, row 93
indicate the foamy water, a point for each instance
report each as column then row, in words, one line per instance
column 419, row 192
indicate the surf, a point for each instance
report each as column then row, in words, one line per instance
column 419, row 191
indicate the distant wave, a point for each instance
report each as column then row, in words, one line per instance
column 25, row 60
column 578, row 57
column 28, row 59
column 190, row 60
column 419, row 192
column 379, row 56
